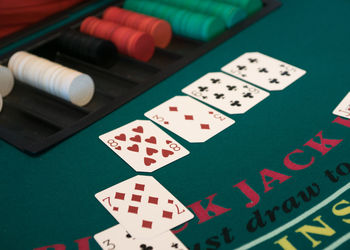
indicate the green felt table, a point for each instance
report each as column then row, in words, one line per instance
column 49, row 199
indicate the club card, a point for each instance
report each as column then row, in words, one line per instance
column 263, row 71
column 144, row 207
column 225, row 92
column 117, row 238
column 190, row 119
column 144, row 146
column 343, row 109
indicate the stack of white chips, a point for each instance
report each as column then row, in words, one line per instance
column 6, row 83
column 53, row 78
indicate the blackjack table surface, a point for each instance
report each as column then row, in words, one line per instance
column 276, row 179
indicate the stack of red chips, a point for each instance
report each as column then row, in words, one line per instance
column 159, row 29
column 131, row 42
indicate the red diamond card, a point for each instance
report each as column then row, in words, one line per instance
column 143, row 145
column 143, row 206
column 190, row 119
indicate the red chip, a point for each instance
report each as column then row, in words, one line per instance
column 133, row 20
column 105, row 29
column 136, row 44
column 120, row 38
column 115, row 15
column 146, row 24
column 141, row 46
column 161, row 33
column 99, row 28
column 131, row 42
column 159, row 29
column 86, row 24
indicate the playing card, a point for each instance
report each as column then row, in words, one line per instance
column 144, row 146
column 190, row 119
column 263, row 71
column 117, row 238
column 343, row 109
column 225, row 92
column 144, row 207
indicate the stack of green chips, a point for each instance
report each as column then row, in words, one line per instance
column 229, row 13
column 183, row 22
column 250, row 6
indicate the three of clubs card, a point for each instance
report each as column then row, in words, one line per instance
column 225, row 92
column 263, row 71
column 144, row 207
column 118, row 238
column 144, row 146
column 189, row 119
column 343, row 109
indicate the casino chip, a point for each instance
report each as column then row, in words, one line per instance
column 183, row 22
column 6, row 81
column 228, row 13
column 131, row 42
column 250, row 6
column 159, row 29
column 87, row 48
column 53, row 78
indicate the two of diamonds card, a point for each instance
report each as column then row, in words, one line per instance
column 263, row 71
column 143, row 145
column 343, row 109
column 225, row 92
column 190, row 119
column 144, row 207
column 117, row 238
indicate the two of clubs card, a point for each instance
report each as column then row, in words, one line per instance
column 146, row 212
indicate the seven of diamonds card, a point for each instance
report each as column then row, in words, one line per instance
column 143, row 145
column 343, row 109
column 190, row 119
column 263, row 71
column 225, row 92
column 143, row 206
column 117, row 238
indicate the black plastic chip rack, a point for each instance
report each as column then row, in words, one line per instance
column 33, row 121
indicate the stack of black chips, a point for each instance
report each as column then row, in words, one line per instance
column 87, row 48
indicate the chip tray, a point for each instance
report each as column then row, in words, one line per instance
column 34, row 121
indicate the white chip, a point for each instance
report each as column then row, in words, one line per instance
column 53, row 78
column 6, row 81
column 81, row 90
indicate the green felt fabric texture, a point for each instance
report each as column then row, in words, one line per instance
column 49, row 199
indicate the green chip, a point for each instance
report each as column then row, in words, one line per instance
column 183, row 22
column 176, row 21
column 250, row 6
column 229, row 13
column 233, row 15
column 212, row 27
